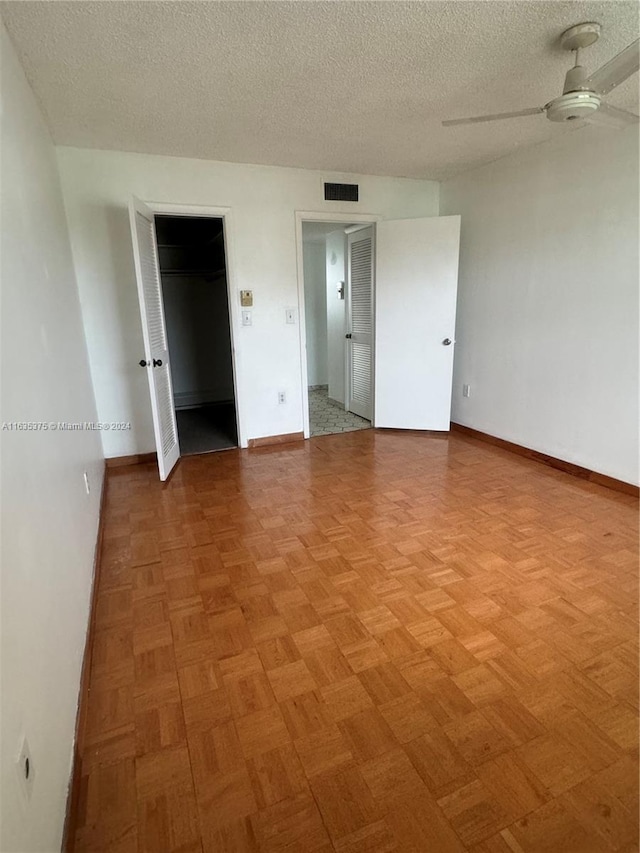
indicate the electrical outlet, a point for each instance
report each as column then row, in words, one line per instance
column 25, row 769
column 86, row 482
column 282, row 397
column 466, row 390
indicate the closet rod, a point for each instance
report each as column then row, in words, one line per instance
column 193, row 272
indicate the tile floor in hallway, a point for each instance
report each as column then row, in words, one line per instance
column 327, row 417
column 366, row 642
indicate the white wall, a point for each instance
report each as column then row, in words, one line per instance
column 547, row 331
column 97, row 186
column 336, row 314
column 315, row 311
column 49, row 524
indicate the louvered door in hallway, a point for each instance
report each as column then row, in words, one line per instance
column 360, row 273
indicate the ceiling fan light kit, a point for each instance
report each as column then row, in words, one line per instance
column 582, row 95
column 572, row 105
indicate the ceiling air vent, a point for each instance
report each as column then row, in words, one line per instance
column 340, row 192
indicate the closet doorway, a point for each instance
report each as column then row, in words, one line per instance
column 193, row 272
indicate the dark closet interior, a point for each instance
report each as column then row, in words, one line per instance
column 196, row 306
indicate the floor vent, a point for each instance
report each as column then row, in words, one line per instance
column 341, row 192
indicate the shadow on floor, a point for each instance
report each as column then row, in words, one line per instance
column 207, row 428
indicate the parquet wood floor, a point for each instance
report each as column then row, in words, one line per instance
column 366, row 642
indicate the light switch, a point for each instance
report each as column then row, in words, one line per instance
column 290, row 315
column 246, row 318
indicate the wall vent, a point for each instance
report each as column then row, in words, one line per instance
column 340, row 192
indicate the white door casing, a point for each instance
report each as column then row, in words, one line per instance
column 416, row 290
column 360, row 316
column 154, row 333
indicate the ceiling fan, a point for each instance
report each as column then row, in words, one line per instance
column 582, row 96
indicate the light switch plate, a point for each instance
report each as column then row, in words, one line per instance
column 246, row 318
column 290, row 315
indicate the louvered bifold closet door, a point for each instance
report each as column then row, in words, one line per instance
column 360, row 322
column 154, row 333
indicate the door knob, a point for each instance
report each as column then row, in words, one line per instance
column 157, row 362
column 143, row 363
column 447, row 342
column 348, row 337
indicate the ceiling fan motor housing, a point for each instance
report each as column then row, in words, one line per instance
column 572, row 106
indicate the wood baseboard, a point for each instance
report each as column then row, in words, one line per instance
column 432, row 433
column 551, row 461
column 73, row 796
column 136, row 459
column 267, row 440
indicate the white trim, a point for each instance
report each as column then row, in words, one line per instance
column 363, row 220
column 163, row 207
column 328, row 216
column 226, row 214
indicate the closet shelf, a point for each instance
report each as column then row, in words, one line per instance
column 192, row 272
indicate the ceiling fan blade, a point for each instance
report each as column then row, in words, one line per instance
column 616, row 71
column 495, row 117
column 609, row 116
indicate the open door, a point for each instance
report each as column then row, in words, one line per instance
column 416, row 289
column 156, row 353
column 359, row 337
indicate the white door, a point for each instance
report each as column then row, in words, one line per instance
column 359, row 338
column 416, row 289
column 154, row 332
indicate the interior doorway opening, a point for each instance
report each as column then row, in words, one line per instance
column 193, row 272
column 338, row 299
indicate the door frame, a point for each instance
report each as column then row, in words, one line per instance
column 361, row 220
column 226, row 214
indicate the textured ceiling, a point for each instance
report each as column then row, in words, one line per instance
column 338, row 86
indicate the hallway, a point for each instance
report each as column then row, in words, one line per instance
column 327, row 417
